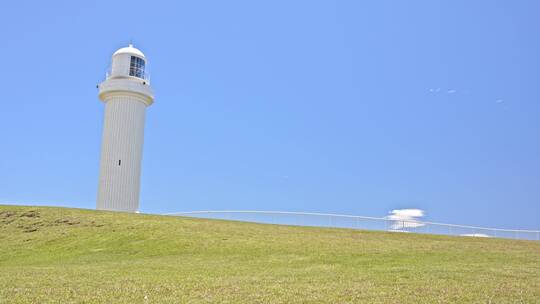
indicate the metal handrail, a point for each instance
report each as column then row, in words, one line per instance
column 386, row 219
column 146, row 75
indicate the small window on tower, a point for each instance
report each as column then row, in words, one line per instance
column 119, row 162
column 136, row 67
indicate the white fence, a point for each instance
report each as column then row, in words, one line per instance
column 361, row 222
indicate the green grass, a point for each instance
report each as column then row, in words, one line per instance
column 59, row 255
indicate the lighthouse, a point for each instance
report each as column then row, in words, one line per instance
column 126, row 93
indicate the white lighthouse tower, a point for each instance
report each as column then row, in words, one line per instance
column 126, row 93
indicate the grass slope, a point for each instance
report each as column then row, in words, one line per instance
column 59, row 255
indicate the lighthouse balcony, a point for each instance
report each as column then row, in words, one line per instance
column 125, row 86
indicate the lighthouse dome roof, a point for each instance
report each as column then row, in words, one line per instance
column 129, row 50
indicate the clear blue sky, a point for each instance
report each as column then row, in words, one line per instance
column 354, row 107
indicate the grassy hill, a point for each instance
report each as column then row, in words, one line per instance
column 59, row 255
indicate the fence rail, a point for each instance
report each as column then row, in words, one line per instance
column 360, row 222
